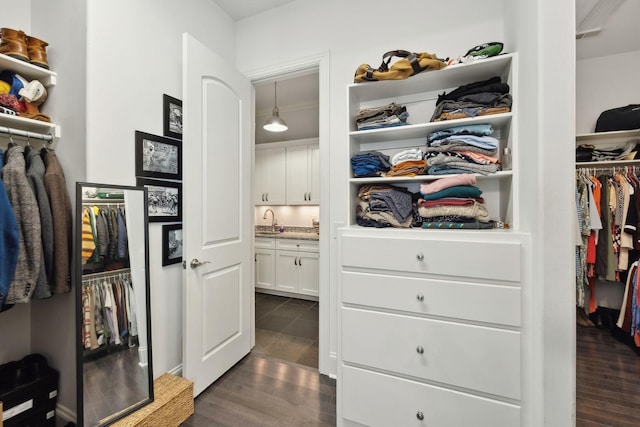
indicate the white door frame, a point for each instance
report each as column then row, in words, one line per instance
column 327, row 358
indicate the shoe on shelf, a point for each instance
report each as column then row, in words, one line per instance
column 37, row 52
column 14, row 43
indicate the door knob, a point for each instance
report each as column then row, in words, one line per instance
column 195, row 263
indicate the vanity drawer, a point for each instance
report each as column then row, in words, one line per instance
column 265, row 243
column 490, row 259
column 297, row 245
column 470, row 301
column 469, row 356
column 375, row 399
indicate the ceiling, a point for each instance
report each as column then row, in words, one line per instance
column 240, row 9
column 620, row 32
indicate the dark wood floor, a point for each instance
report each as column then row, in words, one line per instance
column 278, row 383
column 607, row 380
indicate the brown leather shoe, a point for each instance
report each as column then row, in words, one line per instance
column 37, row 52
column 14, row 43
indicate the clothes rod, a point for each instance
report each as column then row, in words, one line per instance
column 106, row 274
column 26, row 134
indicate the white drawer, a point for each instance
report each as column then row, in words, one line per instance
column 499, row 260
column 265, row 243
column 473, row 357
column 462, row 300
column 297, row 245
column 374, row 399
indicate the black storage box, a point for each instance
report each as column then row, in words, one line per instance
column 32, row 404
column 621, row 118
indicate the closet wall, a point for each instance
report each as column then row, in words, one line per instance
column 46, row 326
column 543, row 34
column 602, row 83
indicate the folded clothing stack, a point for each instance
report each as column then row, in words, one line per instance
column 370, row 163
column 462, row 149
column 408, row 162
column 384, row 206
column 629, row 150
column 381, row 117
column 453, row 203
column 480, row 98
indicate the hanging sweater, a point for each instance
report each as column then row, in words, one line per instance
column 25, row 208
column 55, row 184
column 8, row 241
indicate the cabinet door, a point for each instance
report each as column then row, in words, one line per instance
column 309, row 277
column 287, row 271
column 265, row 269
column 297, row 171
column 270, row 173
column 314, row 174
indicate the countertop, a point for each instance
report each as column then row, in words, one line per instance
column 299, row 233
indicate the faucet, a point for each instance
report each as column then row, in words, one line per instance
column 273, row 219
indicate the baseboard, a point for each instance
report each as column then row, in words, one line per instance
column 65, row 415
column 177, row 371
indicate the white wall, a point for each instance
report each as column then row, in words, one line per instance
column 134, row 57
column 604, row 83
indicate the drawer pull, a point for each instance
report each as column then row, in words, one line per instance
column 420, row 415
column 420, row 257
column 420, row 297
column 420, row 349
column 295, row 260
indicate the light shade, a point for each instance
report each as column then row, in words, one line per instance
column 275, row 123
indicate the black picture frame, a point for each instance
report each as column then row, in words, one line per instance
column 158, row 156
column 172, row 116
column 172, row 244
column 162, row 206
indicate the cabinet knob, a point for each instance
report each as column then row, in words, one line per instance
column 309, row 196
column 420, row 349
column 305, row 196
column 420, row 415
column 299, row 261
column 295, row 260
column 420, row 257
column 267, row 197
column 263, row 198
column 420, row 297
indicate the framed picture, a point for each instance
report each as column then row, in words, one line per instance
column 158, row 156
column 171, row 244
column 164, row 199
column 172, row 113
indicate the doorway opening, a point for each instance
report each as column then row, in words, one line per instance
column 286, row 223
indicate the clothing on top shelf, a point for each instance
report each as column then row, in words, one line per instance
column 629, row 150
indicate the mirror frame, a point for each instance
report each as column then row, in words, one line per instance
column 79, row 317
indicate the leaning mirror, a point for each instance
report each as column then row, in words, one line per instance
column 113, row 327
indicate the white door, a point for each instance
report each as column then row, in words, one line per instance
column 314, row 174
column 217, row 204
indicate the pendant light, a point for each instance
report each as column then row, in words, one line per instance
column 275, row 123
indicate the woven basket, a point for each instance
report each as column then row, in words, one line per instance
column 172, row 404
